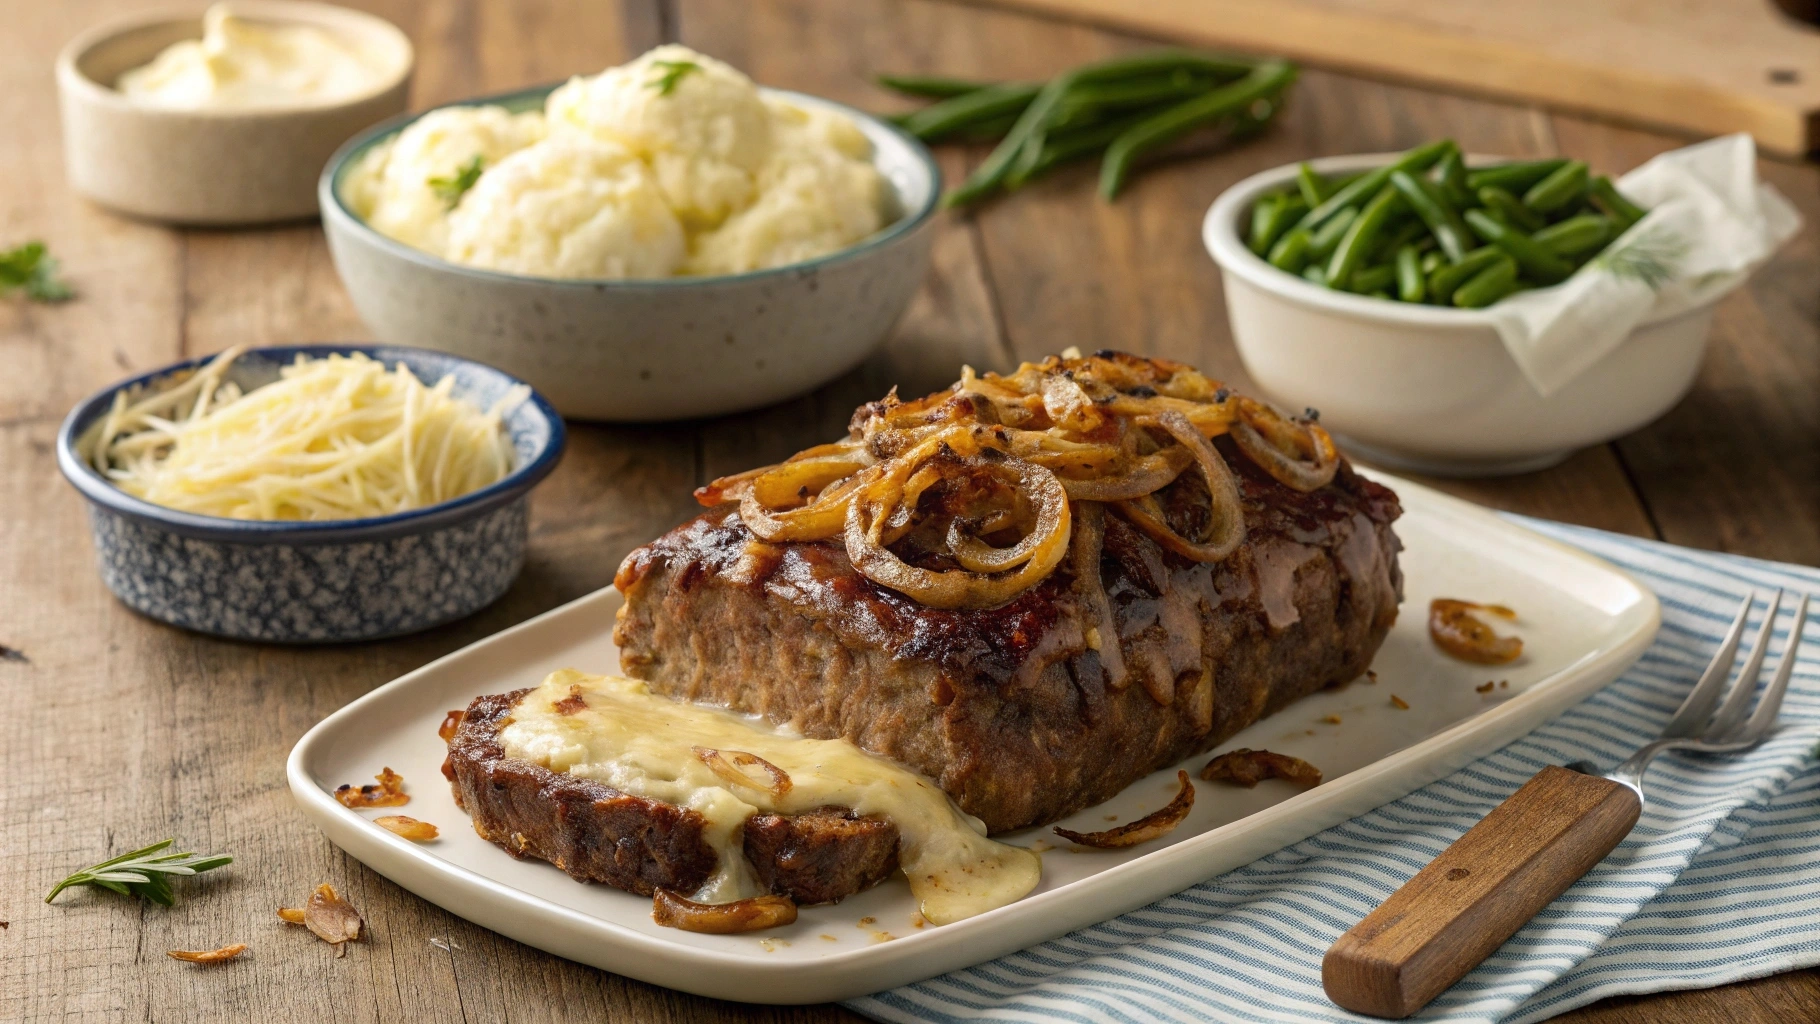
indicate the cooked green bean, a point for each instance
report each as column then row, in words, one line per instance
column 1267, row 79
column 1271, row 219
column 1509, row 209
column 1488, row 286
column 1536, row 260
column 1326, row 238
column 1350, row 253
column 1450, row 175
column 1371, row 182
column 933, row 87
column 1606, row 197
column 1314, row 273
column 1443, row 282
column 1514, row 177
column 949, row 116
column 1313, row 187
column 1291, row 251
column 1576, row 235
column 1431, row 262
column 1373, row 279
column 1559, row 189
column 1435, row 211
column 1411, row 285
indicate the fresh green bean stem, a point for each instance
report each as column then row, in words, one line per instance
column 1266, row 80
column 1536, row 260
column 1442, row 220
column 1488, row 286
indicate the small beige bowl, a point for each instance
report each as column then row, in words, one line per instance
column 212, row 167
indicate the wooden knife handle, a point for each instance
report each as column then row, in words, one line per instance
column 1478, row 892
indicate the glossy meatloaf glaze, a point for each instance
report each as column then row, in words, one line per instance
column 1010, row 709
column 599, row 834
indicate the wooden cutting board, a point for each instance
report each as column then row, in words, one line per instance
column 1706, row 66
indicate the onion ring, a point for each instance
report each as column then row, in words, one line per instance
column 1456, row 630
column 730, row 766
column 1154, row 825
column 1228, row 515
column 1296, row 453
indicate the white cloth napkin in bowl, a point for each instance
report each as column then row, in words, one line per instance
column 1710, row 223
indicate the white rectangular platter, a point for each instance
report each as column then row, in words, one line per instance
column 1582, row 622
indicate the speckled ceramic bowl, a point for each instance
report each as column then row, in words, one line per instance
column 316, row 582
column 663, row 349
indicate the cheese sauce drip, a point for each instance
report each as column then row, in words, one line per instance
column 241, row 63
column 642, row 744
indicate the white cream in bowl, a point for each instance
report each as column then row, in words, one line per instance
column 243, row 63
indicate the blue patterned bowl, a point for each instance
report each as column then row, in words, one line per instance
column 317, row 582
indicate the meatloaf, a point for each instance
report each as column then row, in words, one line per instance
column 598, row 834
column 1010, row 709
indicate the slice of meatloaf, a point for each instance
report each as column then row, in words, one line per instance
column 1011, row 709
column 598, row 834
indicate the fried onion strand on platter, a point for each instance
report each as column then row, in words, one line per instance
column 968, row 497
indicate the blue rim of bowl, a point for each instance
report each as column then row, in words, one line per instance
column 329, row 198
column 98, row 490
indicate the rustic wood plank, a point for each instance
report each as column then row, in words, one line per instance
column 1736, row 466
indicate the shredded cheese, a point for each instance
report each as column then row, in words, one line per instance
column 335, row 438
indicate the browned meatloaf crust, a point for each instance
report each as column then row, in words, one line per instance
column 598, row 834
column 1009, row 708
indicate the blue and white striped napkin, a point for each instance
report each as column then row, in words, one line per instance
column 1719, row 882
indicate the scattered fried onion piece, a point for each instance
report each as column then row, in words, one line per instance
column 408, row 827
column 208, row 956
column 290, row 915
column 673, row 911
column 329, row 918
column 1150, row 826
column 388, row 793
column 451, row 723
column 1247, row 767
column 1456, row 630
column 731, row 765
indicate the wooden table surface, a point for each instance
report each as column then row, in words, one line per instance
column 123, row 731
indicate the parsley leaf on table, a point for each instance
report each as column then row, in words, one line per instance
column 31, row 267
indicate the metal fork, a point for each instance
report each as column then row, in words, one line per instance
column 1461, row 907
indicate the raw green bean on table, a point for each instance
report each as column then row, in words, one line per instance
column 1441, row 219
column 1536, row 260
column 1606, row 197
column 1516, row 176
column 981, row 105
column 1576, row 235
column 1556, row 191
column 1443, row 282
column 1488, row 285
column 1350, row 253
column 1370, row 182
column 935, row 87
column 1267, row 79
column 1509, row 208
column 1291, row 251
column 1411, row 285
column 1073, row 144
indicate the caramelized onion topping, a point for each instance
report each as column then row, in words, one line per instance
column 388, row 793
column 408, row 827
column 1103, row 636
column 1150, row 826
column 674, row 911
column 730, row 766
column 961, row 499
column 212, row 956
column 1456, row 630
column 1247, row 767
column 332, row 919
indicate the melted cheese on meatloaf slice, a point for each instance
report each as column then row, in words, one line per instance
column 616, row 732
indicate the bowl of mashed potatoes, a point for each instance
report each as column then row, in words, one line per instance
column 662, row 240
column 228, row 118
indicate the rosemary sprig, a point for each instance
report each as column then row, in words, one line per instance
column 143, row 872
column 31, row 267
column 674, row 72
column 450, row 190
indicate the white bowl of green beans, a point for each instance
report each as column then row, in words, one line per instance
column 1380, row 322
